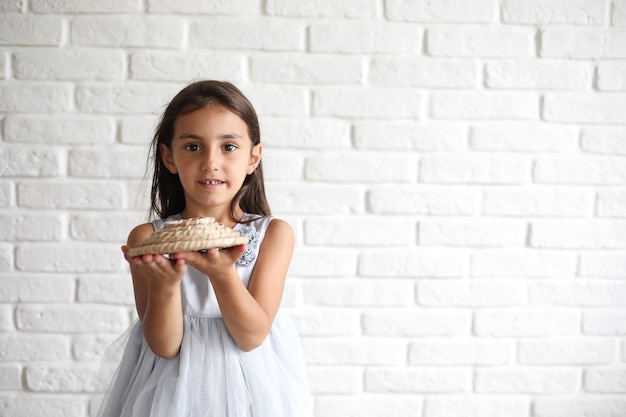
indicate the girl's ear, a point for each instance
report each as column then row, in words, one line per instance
column 168, row 159
column 255, row 157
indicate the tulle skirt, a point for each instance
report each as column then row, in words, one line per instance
column 211, row 376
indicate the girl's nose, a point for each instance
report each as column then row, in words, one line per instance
column 211, row 160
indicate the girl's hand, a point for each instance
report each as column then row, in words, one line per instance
column 215, row 263
column 157, row 269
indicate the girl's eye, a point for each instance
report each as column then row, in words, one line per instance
column 192, row 147
column 230, row 147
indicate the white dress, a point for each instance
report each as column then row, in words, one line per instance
column 211, row 376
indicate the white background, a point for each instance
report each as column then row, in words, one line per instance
column 454, row 171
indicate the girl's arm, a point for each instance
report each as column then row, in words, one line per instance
column 248, row 313
column 156, row 282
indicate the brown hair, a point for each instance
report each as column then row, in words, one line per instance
column 167, row 195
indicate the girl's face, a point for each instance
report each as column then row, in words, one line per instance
column 212, row 153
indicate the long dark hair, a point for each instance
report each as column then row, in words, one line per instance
column 167, row 195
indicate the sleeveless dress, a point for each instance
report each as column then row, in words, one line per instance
column 211, row 376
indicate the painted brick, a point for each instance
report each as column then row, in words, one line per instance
column 359, row 293
column 50, row 406
column 467, row 168
column 359, row 231
column 128, row 31
column 352, row 37
column 63, row 378
column 137, row 130
column 260, row 34
column 422, row 262
column 421, row 199
column 611, row 76
column 580, row 407
column 522, row 322
column 611, row 203
column 335, row 379
column 93, row 347
column 416, row 323
column 461, row 351
column 7, row 195
column 31, row 227
column 71, row 319
column 12, row 6
column 24, row 347
column 301, row 133
column 527, row 380
column 194, row 7
column 612, row 380
column 106, row 289
column 284, row 100
column 68, row 195
column 81, row 6
column 361, row 167
column 567, row 351
column 566, row 169
column 523, row 136
column 322, row 263
column 71, row 130
column 422, row 380
column 522, row 263
column 488, row 42
column 6, row 257
column 50, row 257
column 481, row 233
column 475, row 293
column 482, row 11
column 50, row 64
column 327, row 322
column 594, row 234
column 584, row 107
column 618, row 15
column 370, row 405
column 610, row 264
column 29, row 30
column 6, row 319
column 579, row 12
column 10, row 378
column 29, row 163
column 365, row 103
column 427, row 73
column 530, row 74
column 410, row 136
column 329, row 199
column 472, row 105
column 354, row 351
column 583, row 44
column 604, row 321
column 309, row 69
column 35, row 98
column 538, row 201
column 185, row 66
column 321, row 8
column 604, row 139
column 591, row 293
column 282, row 166
column 37, row 288
column 125, row 163
column 138, row 98
column 459, row 406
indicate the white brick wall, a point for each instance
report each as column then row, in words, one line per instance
column 455, row 172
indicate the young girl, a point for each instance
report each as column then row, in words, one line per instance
column 209, row 340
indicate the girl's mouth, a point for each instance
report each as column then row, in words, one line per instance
column 211, row 182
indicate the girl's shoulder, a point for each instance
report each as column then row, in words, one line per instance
column 140, row 233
